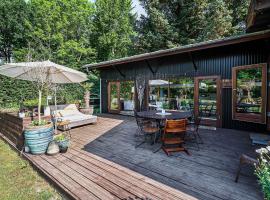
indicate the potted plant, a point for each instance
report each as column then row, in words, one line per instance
column 63, row 141
column 263, row 170
column 87, row 109
column 21, row 113
column 39, row 133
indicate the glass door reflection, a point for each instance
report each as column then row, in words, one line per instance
column 207, row 100
column 114, row 97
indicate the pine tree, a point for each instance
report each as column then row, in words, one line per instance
column 218, row 21
column 114, row 28
column 180, row 22
column 155, row 31
column 239, row 9
column 188, row 17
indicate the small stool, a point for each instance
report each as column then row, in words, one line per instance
column 65, row 125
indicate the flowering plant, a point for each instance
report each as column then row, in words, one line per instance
column 263, row 170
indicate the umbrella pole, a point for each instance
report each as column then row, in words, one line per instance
column 55, row 112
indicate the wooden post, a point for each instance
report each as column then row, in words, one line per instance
column 39, row 105
column 268, row 93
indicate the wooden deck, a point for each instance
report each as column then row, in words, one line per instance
column 103, row 164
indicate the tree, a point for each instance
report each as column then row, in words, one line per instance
column 155, row 31
column 188, row 18
column 40, row 80
column 13, row 14
column 113, row 32
column 59, row 30
column 218, row 21
column 189, row 21
column 239, row 10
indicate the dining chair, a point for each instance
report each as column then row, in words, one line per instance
column 193, row 134
column 146, row 128
column 173, row 136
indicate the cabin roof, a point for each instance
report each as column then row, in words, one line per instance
column 183, row 49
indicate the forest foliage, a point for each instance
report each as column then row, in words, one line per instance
column 77, row 32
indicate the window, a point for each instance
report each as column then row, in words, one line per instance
column 171, row 94
column 127, row 95
column 158, row 94
column 249, row 93
column 182, row 94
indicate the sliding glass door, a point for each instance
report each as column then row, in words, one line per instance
column 114, row 97
column 207, row 100
column 121, row 97
column 127, row 91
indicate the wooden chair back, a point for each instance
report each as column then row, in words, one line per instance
column 175, row 126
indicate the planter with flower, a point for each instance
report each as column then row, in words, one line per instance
column 63, row 141
column 263, row 171
column 86, row 108
column 39, row 133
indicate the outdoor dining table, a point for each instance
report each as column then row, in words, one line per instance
column 161, row 117
column 170, row 115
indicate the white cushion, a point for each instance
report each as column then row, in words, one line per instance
column 64, row 113
column 71, row 107
column 75, row 118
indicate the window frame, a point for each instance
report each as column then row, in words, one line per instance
column 250, row 117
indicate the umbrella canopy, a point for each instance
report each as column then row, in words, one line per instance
column 158, row 82
column 54, row 72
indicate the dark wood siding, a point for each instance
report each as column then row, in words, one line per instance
column 216, row 61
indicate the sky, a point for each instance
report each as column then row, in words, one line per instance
column 137, row 7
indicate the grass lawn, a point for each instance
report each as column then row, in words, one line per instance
column 18, row 180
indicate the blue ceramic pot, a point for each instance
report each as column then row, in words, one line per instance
column 38, row 138
column 63, row 145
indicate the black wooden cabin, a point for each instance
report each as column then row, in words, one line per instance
column 219, row 60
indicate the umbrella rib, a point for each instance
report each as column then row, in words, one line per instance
column 22, row 74
column 67, row 77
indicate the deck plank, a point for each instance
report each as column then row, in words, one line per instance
column 95, row 189
column 149, row 186
column 65, row 181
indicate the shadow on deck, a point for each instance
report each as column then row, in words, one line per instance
column 102, row 163
column 207, row 174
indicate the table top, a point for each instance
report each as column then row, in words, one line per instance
column 152, row 114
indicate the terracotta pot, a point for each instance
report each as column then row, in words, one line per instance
column 87, row 111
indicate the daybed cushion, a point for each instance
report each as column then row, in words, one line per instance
column 65, row 113
column 76, row 118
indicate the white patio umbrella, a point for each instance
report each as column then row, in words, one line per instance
column 56, row 73
column 34, row 71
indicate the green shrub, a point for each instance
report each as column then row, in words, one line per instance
column 34, row 102
column 37, row 123
column 60, row 137
column 263, row 171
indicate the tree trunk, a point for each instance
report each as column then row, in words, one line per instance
column 87, row 99
column 39, row 106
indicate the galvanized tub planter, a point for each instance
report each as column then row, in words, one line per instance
column 37, row 138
